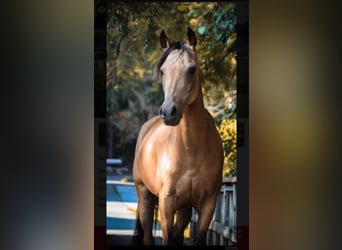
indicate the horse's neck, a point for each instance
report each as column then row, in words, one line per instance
column 193, row 123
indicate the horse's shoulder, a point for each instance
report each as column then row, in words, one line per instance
column 150, row 124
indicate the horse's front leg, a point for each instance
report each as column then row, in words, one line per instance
column 205, row 215
column 183, row 217
column 167, row 211
column 146, row 206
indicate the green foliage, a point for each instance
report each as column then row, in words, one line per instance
column 215, row 24
column 228, row 133
column 133, row 94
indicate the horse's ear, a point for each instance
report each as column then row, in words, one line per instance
column 164, row 40
column 191, row 38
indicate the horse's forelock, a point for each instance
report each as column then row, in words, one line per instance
column 173, row 46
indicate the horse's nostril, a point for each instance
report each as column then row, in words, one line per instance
column 161, row 112
column 173, row 111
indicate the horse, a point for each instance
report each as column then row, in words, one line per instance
column 178, row 156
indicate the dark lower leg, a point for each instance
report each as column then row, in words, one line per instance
column 205, row 215
column 183, row 217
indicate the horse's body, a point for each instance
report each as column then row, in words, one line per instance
column 178, row 158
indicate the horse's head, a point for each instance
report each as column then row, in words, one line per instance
column 179, row 71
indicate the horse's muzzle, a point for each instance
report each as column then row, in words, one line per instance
column 170, row 115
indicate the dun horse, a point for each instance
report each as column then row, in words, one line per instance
column 178, row 157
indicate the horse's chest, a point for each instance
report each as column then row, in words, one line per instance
column 174, row 166
column 182, row 177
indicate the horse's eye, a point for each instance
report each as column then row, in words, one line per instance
column 191, row 70
column 161, row 72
